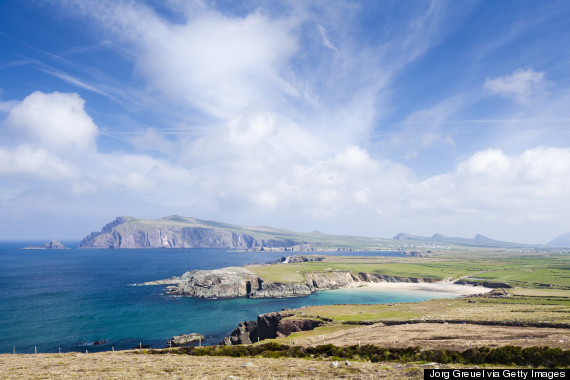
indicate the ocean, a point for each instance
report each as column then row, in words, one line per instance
column 66, row 300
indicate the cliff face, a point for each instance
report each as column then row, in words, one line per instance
column 240, row 282
column 126, row 232
column 269, row 326
column 220, row 283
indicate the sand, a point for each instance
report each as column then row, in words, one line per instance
column 437, row 287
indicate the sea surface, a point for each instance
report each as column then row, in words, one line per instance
column 68, row 299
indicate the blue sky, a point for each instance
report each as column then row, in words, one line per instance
column 366, row 118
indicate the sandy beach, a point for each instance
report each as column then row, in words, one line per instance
column 439, row 287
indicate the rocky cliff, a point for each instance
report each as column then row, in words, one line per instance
column 176, row 232
column 239, row 282
column 269, row 326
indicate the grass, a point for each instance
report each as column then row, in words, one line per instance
column 540, row 292
column 129, row 365
column 526, row 270
column 516, row 309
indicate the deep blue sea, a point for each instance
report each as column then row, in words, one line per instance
column 67, row 299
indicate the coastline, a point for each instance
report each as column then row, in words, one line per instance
column 438, row 287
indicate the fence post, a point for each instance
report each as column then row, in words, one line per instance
column 14, row 350
column 35, row 349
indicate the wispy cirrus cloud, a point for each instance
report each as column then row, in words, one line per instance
column 521, row 86
column 74, row 81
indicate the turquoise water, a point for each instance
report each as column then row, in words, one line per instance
column 52, row 299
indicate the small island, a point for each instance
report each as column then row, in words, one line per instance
column 54, row 244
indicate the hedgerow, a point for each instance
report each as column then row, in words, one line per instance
column 531, row 356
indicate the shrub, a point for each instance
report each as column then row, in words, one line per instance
column 533, row 356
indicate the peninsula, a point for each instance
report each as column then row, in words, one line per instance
column 297, row 276
column 184, row 232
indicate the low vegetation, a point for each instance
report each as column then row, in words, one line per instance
column 132, row 365
column 529, row 356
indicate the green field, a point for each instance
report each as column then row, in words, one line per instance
column 539, row 293
column 551, row 270
column 549, row 308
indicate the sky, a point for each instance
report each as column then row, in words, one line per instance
column 349, row 117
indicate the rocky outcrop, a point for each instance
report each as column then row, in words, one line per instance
column 269, row 326
column 127, row 232
column 241, row 282
column 298, row 259
column 485, row 284
column 373, row 277
column 54, row 244
column 185, row 339
column 220, row 283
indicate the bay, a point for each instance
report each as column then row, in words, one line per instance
column 68, row 299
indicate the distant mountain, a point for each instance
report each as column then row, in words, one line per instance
column 184, row 232
column 561, row 241
column 478, row 241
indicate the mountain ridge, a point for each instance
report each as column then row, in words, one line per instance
column 176, row 231
column 560, row 241
column 478, row 241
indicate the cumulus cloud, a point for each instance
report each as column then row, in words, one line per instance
column 25, row 161
column 211, row 61
column 153, row 141
column 493, row 184
column 55, row 121
column 521, row 86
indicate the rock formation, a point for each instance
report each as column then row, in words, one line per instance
column 299, row 259
column 185, row 339
column 54, row 244
column 269, row 326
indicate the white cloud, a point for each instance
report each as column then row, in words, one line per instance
column 6, row 106
column 56, row 122
column 74, row 81
column 326, row 42
column 152, row 141
column 219, row 64
column 522, row 85
column 25, row 161
column 492, row 184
